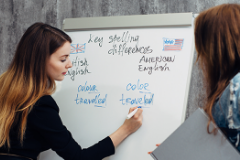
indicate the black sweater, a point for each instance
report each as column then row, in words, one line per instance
column 45, row 130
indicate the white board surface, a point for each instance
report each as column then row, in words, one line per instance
column 106, row 82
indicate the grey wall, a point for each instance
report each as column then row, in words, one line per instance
column 17, row 15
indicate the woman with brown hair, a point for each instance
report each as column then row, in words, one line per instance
column 217, row 40
column 29, row 116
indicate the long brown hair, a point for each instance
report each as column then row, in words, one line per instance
column 26, row 79
column 217, row 41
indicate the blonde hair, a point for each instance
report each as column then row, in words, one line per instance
column 26, row 79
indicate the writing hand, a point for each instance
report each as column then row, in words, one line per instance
column 129, row 126
column 135, row 121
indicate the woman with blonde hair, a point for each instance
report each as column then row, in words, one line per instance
column 29, row 116
column 217, row 40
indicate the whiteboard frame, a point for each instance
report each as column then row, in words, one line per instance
column 188, row 79
column 134, row 21
column 137, row 21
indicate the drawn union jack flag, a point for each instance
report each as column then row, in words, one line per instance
column 172, row 44
column 78, row 48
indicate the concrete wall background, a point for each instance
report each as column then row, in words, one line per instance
column 17, row 15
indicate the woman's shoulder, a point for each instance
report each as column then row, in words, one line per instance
column 44, row 110
column 46, row 102
column 46, row 98
column 226, row 108
column 236, row 79
column 231, row 92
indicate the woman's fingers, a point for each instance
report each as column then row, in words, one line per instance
column 139, row 113
column 156, row 145
column 132, row 124
column 132, row 109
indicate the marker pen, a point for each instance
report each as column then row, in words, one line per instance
column 133, row 112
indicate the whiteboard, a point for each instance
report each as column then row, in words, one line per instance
column 115, row 69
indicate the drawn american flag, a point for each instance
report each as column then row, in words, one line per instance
column 78, row 48
column 172, row 44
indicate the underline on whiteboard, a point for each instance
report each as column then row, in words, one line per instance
column 145, row 92
column 99, row 106
column 93, row 92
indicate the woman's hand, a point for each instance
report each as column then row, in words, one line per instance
column 156, row 145
column 135, row 122
column 129, row 126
